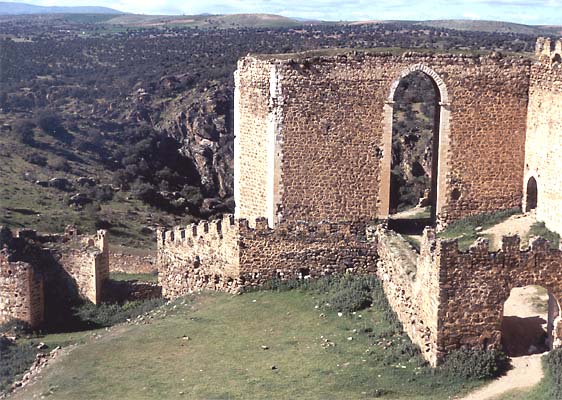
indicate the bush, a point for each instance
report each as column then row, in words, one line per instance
column 468, row 364
column 15, row 359
column 36, row 158
column 59, row 164
column 348, row 293
column 15, row 327
column 553, row 362
column 22, row 130
column 108, row 314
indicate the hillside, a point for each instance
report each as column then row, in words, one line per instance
column 492, row 26
column 135, row 126
column 206, row 21
column 9, row 8
column 467, row 25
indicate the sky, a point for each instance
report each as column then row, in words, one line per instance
column 532, row 12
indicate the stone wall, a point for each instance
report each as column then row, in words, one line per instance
column 86, row 260
column 475, row 285
column 132, row 263
column 197, row 257
column 544, row 133
column 21, row 292
column 38, row 271
column 230, row 255
column 251, row 144
column 411, row 285
column 301, row 251
column 447, row 299
column 328, row 125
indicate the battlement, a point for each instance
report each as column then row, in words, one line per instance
column 215, row 229
column 547, row 48
column 510, row 247
column 229, row 225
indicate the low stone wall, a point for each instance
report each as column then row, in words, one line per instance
column 302, row 251
column 131, row 263
column 121, row 291
column 411, row 284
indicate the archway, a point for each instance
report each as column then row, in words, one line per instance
column 528, row 321
column 428, row 165
column 532, row 194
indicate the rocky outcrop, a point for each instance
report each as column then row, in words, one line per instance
column 203, row 124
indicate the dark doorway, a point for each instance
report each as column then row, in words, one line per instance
column 526, row 320
column 531, row 194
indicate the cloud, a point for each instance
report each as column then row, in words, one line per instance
column 524, row 11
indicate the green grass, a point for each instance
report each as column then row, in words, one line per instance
column 122, row 276
column 465, row 230
column 224, row 359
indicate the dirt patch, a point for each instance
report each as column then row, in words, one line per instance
column 519, row 224
column 526, row 372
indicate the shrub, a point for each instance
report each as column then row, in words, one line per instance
column 15, row 359
column 59, row 164
column 471, row 364
column 108, row 314
column 36, row 158
column 348, row 293
column 22, row 130
column 15, row 327
column 553, row 361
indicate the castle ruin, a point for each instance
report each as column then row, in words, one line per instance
column 312, row 171
column 37, row 270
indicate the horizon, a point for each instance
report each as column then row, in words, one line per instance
column 527, row 12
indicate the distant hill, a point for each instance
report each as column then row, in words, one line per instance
column 489, row 26
column 206, row 20
column 478, row 26
column 23, row 8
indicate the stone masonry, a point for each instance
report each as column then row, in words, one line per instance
column 312, row 170
column 544, row 134
column 31, row 265
column 313, row 137
column 229, row 255
column 447, row 299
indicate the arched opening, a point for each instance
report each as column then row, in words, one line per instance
column 532, row 194
column 528, row 321
column 418, row 92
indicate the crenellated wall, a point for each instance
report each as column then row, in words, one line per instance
column 476, row 284
column 199, row 256
column 230, row 255
column 447, row 299
column 302, row 250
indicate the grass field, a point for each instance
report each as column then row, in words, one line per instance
column 255, row 346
